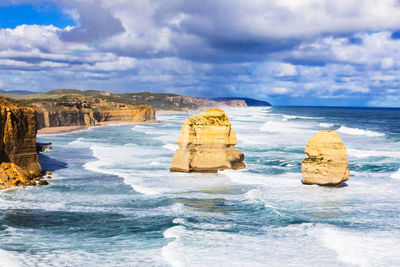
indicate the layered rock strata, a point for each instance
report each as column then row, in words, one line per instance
column 207, row 144
column 327, row 162
column 88, row 111
column 181, row 103
column 18, row 156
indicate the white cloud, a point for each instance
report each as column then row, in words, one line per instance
column 286, row 70
column 385, row 101
column 279, row 90
column 294, row 48
column 387, row 63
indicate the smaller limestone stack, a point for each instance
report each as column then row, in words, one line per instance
column 207, row 144
column 327, row 162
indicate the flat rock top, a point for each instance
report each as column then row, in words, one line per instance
column 13, row 104
column 325, row 143
column 211, row 117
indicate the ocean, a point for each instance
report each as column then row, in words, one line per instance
column 113, row 202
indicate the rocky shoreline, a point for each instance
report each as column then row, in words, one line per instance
column 206, row 144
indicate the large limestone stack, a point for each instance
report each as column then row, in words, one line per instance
column 207, row 144
column 327, row 162
column 18, row 155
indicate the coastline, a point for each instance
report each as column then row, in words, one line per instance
column 161, row 111
column 69, row 129
column 105, row 123
column 61, row 129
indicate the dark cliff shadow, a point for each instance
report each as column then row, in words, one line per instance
column 50, row 164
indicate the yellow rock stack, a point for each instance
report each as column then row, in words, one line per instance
column 207, row 144
column 327, row 162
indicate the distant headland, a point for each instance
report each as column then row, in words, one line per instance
column 251, row 102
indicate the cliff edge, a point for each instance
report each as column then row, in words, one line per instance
column 88, row 111
column 18, row 156
column 207, row 144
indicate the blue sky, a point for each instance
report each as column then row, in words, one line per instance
column 41, row 13
column 289, row 52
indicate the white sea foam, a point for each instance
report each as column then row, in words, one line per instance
column 171, row 147
column 326, row 125
column 356, row 131
column 242, row 177
column 9, row 259
column 361, row 153
column 170, row 252
column 78, row 142
column 210, row 248
column 395, row 175
column 361, row 249
column 293, row 117
column 109, row 158
column 277, row 127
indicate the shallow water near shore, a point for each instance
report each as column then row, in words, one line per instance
column 113, row 202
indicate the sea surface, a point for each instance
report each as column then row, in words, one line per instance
column 113, row 202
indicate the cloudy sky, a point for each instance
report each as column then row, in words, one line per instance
column 290, row 52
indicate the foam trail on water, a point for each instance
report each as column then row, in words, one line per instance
column 396, row 175
column 359, row 153
column 356, row 131
column 292, row 117
column 326, row 125
column 108, row 158
column 169, row 252
column 359, row 248
column 171, row 147
column 8, row 259
column 279, row 126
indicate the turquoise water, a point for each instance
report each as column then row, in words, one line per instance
column 113, row 202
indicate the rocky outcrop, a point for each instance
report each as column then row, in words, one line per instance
column 207, row 144
column 180, row 103
column 251, row 102
column 88, row 111
column 237, row 103
column 18, row 155
column 327, row 162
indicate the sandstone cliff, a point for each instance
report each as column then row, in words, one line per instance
column 207, row 144
column 159, row 101
column 88, row 111
column 180, row 103
column 327, row 162
column 18, row 156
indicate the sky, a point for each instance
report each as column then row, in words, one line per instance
column 288, row 52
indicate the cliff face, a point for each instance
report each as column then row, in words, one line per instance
column 18, row 156
column 207, row 144
column 178, row 102
column 88, row 111
column 327, row 162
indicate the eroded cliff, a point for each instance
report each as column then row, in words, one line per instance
column 18, row 155
column 207, row 144
column 179, row 102
column 88, row 111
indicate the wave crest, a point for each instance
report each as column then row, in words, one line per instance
column 357, row 131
